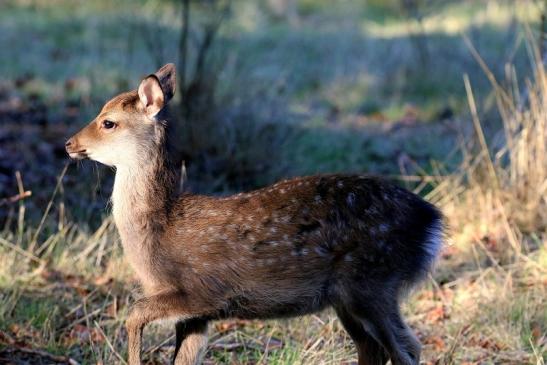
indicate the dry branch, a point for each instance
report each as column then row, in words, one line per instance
column 13, row 346
column 15, row 198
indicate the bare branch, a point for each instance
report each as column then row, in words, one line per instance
column 15, row 198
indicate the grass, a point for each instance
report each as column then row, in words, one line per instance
column 486, row 303
column 65, row 289
column 70, row 57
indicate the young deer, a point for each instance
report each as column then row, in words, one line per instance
column 354, row 243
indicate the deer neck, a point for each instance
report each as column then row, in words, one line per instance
column 142, row 198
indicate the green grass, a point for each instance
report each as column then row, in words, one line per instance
column 329, row 70
column 346, row 67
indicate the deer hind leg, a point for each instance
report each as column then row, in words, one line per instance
column 190, row 341
column 390, row 330
column 379, row 315
column 149, row 309
column 369, row 351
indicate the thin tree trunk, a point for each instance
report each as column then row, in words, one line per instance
column 183, row 46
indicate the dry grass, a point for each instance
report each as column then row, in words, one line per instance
column 486, row 304
column 492, row 297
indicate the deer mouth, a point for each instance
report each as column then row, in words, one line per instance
column 77, row 155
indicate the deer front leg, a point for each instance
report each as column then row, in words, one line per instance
column 149, row 309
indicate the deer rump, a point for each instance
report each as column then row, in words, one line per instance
column 298, row 246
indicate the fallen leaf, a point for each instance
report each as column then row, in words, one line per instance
column 437, row 342
column 436, row 314
column 83, row 334
column 103, row 280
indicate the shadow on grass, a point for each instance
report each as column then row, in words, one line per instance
column 304, row 86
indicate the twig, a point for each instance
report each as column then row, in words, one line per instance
column 21, row 251
column 183, row 176
column 22, row 209
column 478, row 129
column 42, row 353
column 464, row 328
column 159, row 346
column 11, row 342
column 15, row 198
column 49, row 205
column 183, row 45
column 109, row 343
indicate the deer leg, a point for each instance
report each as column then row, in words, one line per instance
column 369, row 351
column 149, row 309
column 385, row 324
column 190, row 341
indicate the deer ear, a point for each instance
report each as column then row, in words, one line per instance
column 167, row 76
column 151, row 95
column 157, row 89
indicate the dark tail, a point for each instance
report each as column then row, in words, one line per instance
column 424, row 242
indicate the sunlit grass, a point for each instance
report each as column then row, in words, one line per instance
column 458, row 17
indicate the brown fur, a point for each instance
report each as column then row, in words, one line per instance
column 346, row 241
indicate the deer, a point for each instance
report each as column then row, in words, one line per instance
column 354, row 243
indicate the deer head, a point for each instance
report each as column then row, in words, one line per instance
column 127, row 126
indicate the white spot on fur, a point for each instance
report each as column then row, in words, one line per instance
column 305, row 251
column 320, row 251
column 340, row 184
column 350, row 199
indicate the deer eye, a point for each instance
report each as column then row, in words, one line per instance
column 107, row 124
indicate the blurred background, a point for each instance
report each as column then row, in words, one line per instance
column 447, row 97
column 268, row 89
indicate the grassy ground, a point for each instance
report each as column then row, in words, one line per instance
column 359, row 99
